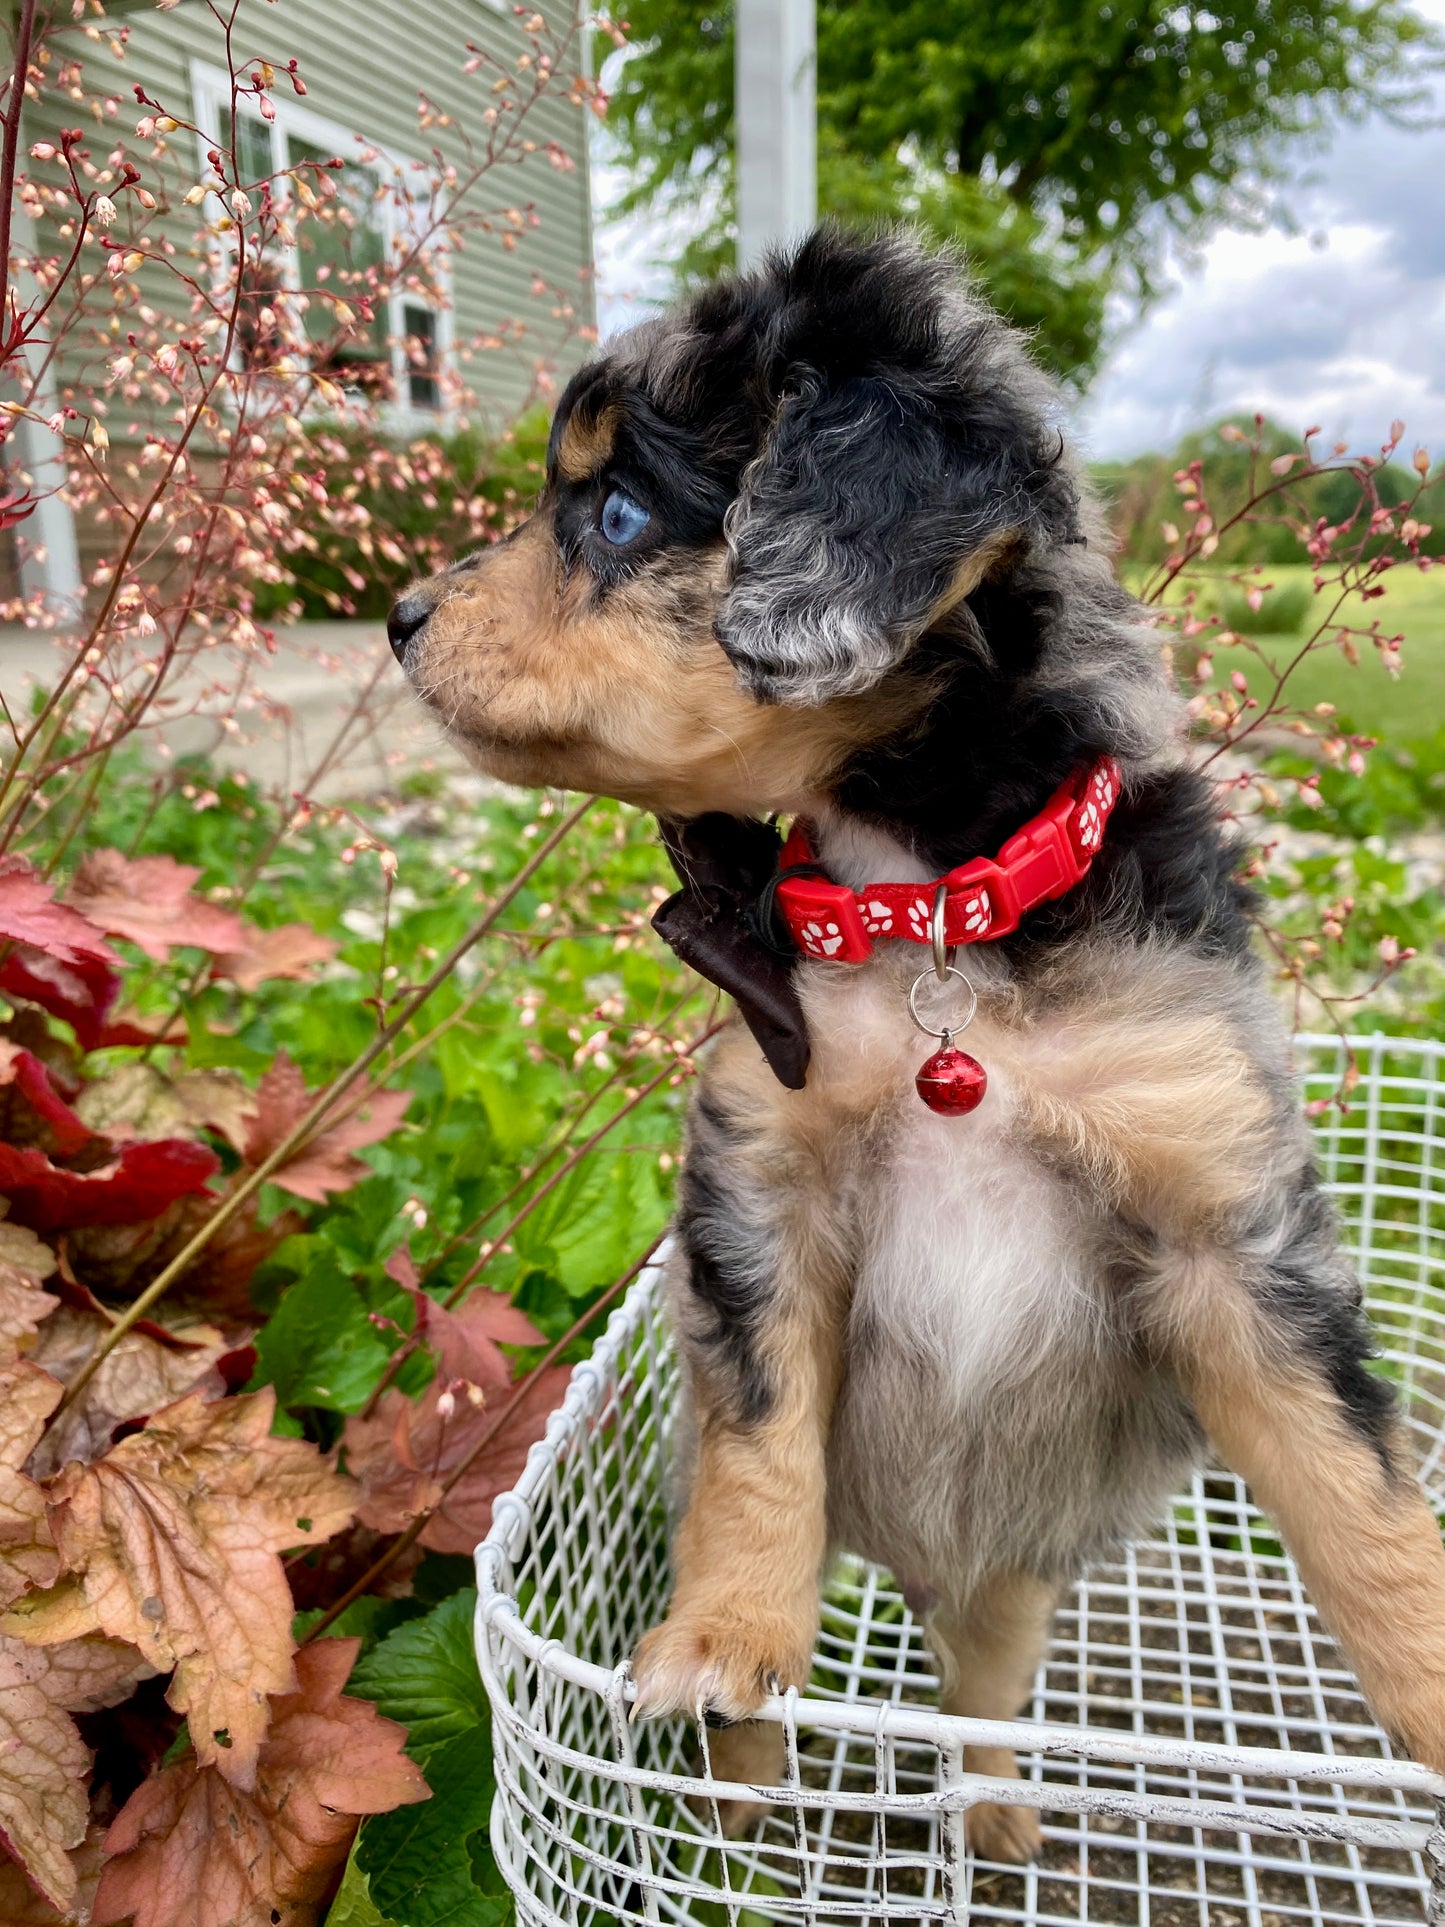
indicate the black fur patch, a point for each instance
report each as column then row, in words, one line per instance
column 729, row 1269
column 1314, row 1301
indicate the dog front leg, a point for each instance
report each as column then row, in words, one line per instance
column 759, row 1298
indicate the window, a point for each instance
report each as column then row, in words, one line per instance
column 398, row 360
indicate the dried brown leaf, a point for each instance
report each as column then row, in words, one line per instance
column 404, row 1454
column 27, row 1549
column 44, row 1804
column 21, row 1906
column 22, row 1307
column 191, row 1850
column 175, row 1534
column 137, row 1100
column 143, row 1374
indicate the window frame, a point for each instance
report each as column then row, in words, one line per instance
column 211, row 98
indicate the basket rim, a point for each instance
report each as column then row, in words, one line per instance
column 497, row 1612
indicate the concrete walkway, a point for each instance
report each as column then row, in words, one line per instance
column 331, row 700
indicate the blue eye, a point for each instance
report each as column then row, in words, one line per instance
column 623, row 520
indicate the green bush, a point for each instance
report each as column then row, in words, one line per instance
column 1281, row 613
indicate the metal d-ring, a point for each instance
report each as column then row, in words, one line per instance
column 943, row 954
column 951, row 1030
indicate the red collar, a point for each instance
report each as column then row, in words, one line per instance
column 986, row 897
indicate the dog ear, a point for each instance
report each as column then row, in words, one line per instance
column 872, row 509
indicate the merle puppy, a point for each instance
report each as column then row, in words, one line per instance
column 813, row 544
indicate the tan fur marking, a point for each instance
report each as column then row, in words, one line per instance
column 750, row 1550
column 627, row 695
column 988, row 1656
column 585, row 447
column 985, row 561
column 1367, row 1545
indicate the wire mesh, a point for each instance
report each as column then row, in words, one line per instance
column 1197, row 1748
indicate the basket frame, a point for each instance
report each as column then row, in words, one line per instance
column 508, row 1644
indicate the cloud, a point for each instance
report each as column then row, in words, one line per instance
column 1340, row 322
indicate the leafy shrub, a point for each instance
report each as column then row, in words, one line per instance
column 320, row 1393
column 388, row 523
column 1265, row 610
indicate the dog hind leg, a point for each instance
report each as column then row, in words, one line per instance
column 988, row 1652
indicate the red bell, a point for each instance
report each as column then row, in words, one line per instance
column 952, row 1082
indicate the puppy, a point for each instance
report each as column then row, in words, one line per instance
column 813, row 544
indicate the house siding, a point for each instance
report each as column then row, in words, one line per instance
column 364, row 65
column 364, row 62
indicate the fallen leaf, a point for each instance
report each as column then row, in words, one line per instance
column 29, row 914
column 149, row 900
column 176, row 1534
column 290, row 950
column 140, row 1184
column 325, row 1164
column 269, row 1855
column 27, row 1547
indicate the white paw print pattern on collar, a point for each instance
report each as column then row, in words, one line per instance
column 877, row 917
column 1098, row 800
column 920, row 917
column 823, row 939
column 977, row 913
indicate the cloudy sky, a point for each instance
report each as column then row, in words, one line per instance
column 1340, row 322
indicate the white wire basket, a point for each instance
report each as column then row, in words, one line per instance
column 1196, row 1746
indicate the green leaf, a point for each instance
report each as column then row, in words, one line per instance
column 425, row 1676
column 370, row 1619
column 319, row 1347
column 595, row 1221
column 431, row 1865
column 417, row 1859
column 353, row 1905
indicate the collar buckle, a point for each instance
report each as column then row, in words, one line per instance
column 824, row 920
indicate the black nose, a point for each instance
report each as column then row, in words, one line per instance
column 407, row 619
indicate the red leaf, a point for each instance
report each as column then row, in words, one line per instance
column 149, row 900
column 403, row 1454
column 190, row 1850
column 30, row 914
column 24, row 1070
column 325, row 1164
column 83, row 992
column 142, row 1182
column 288, row 951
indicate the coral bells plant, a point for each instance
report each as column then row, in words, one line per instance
column 1220, row 612
column 223, row 1402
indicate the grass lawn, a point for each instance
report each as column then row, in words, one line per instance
column 1396, row 709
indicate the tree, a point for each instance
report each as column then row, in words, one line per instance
column 1062, row 145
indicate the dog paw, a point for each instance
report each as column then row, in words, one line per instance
column 723, row 1664
column 996, row 1832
